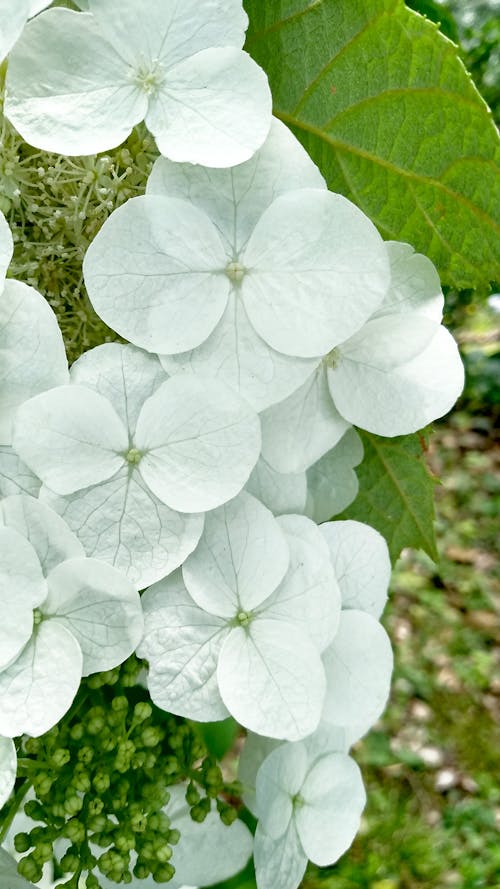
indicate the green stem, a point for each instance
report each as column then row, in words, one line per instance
column 14, row 807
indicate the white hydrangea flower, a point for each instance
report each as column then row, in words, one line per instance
column 78, row 82
column 13, row 15
column 32, row 355
column 64, row 616
column 309, row 807
column 242, row 630
column 398, row 372
column 133, row 457
column 8, row 768
column 258, row 277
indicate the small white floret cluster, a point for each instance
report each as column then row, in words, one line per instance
column 264, row 315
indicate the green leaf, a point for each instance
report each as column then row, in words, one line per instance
column 396, row 493
column 219, row 736
column 384, row 106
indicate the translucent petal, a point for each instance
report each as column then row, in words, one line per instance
column 6, row 242
column 255, row 749
column 279, row 779
column 71, row 437
column 271, row 679
column 67, row 90
column 213, row 108
column 308, row 595
column 311, row 254
column 241, row 558
column 182, row 644
column 170, row 31
column 299, row 430
column 332, row 484
column 200, row 443
column 32, row 355
column 99, row 607
column 235, row 198
column 211, row 851
column 279, row 863
column 37, row 6
column 47, row 533
column 8, row 769
column 405, row 397
column 39, row 687
column 237, row 355
column 280, row 492
column 358, row 667
column 121, row 522
column 9, row 874
column 126, row 376
column 361, row 562
column 22, row 587
column 334, row 798
column 155, row 274
column 13, row 15
column 15, row 476
column 415, row 285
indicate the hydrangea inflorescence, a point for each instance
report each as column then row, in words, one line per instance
column 264, row 315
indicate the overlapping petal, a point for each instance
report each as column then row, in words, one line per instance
column 280, row 492
column 332, row 484
column 13, row 15
column 415, row 285
column 279, row 864
column 22, row 588
column 47, row 533
column 15, row 476
column 8, row 769
column 361, row 563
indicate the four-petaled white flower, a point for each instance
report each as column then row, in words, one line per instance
column 64, row 616
column 78, row 82
column 242, row 629
column 398, row 372
column 32, row 354
column 133, row 455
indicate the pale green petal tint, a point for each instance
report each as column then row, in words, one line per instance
column 39, row 687
column 47, row 533
column 182, row 644
column 280, row 492
column 242, row 557
column 99, row 607
column 71, row 437
column 332, row 483
column 200, row 443
column 67, row 89
column 155, row 274
column 23, row 588
column 32, row 355
column 361, row 563
column 8, row 769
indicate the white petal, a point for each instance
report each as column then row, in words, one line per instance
column 241, row 558
column 6, row 242
column 237, row 355
column 99, row 607
column 279, row 863
column 13, row 15
column 332, row 484
column 126, row 376
column 15, row 476
column 67, row 89
column 38, row 688
column 8, row 769
column 299, row 430
column 402, row 398
column 22, row 588
column 210, row 852
column 235, row 198
column 182, row 644
column 361, row 562
column 170, row 31
column 32, row 356
column 121, row 522
column 255, row 750
column 36, row 6
column 415, row 285
column 48, row 534
column 334, row 798
column 271, row 679
column 200, row 443
column 9, row 875
column 279, row 779
column 280, row 492
column 358, row 667
column 213, row 108
column 311, row 254
column 71, row 437
column 155, row 274
column 308, row 595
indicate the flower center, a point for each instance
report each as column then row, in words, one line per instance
column 37, row 617
column 332, row 360
column 148, row 76
column 133, row 456
column 298, row 801
column 235, row 272
column 243, row 618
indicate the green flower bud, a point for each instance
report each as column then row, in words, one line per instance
column 22, row 842
column 96, row 806
column 141, row 870
column 142, row 711
column 125, row 841
column 164, row 853
column 96, row 823
column 32, row 745
column 30, row 869
column 173, row 837
column 60, row 757
column 101, row 781
column 34, row 810
column 228, row 814
column 92, row 882
column 77, row 732
column 70, row 862
column 86, row 754
column 74, row 830
column 200, row 811
column 151, row 736
column 163, row 873
column 139, row 822
column 192, row 795
column 73, row 805
column 43, row 852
